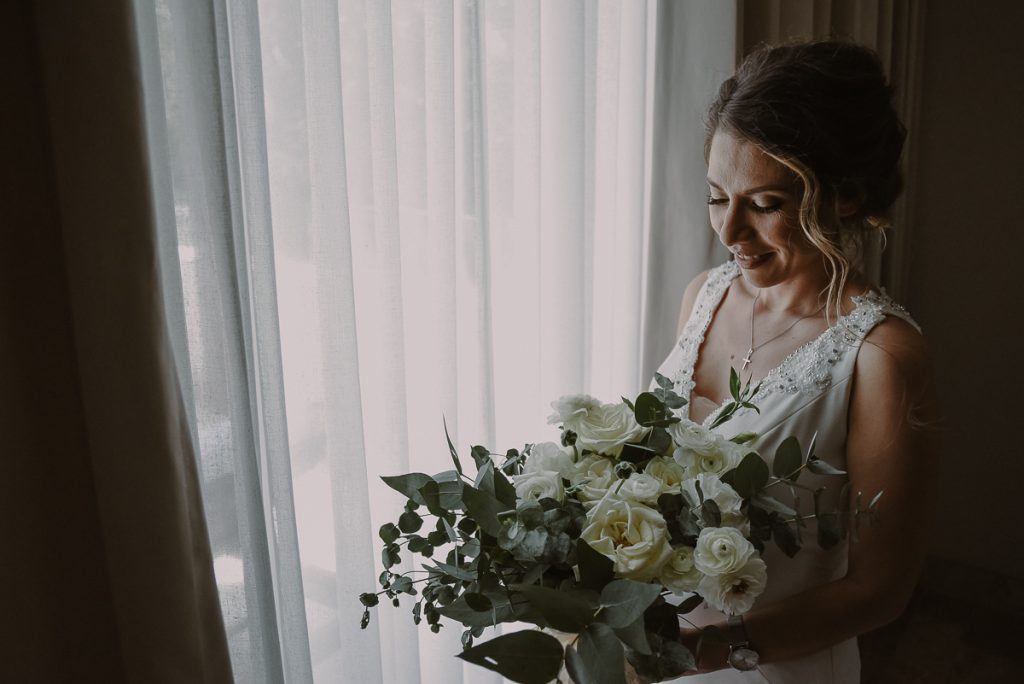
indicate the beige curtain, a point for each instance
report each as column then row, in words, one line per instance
column 138, row 602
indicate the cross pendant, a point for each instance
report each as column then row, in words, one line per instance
column 746, row 359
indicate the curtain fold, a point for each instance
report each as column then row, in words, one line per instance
column 145, row 475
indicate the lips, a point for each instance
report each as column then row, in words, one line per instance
column 751, row 260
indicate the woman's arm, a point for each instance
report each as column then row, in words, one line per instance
column 889, row 447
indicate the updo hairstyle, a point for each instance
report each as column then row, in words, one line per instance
column 824, row 110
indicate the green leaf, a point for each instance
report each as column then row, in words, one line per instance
column 772, row 504
column 744, row 437
column 659, row 441
column 785, row 539
column 710, row 514
column 529, row 657
column 875, row 499
column 431, row 493
column 634, row 636
column 449, row 489
column 828, row 530
column 481, row 455
column 456, row 572
column 453, row 537
column 409, row 522
column 650, row 410
column 751, row 475
column 674, row 659
column 623, row 601
column 602, row 653
column 663, row 382
column 788, row 459
column 503, row 490
column 451, row 447
column 478, row 602
column 734, row 384
column 578, row 671
column 689, row 604
column 596, row 569
column 565, row 611
column 389, row 533
column 819, row 467
column 408, row 484
column 484, row 509
column 628, row 403
column 502, row 610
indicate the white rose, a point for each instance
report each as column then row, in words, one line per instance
column 542, row 484
column 592, row 477
column 699, row 450
column 735, row 592
column 571, row 409
column 632, row 535
column 679, row 574
column 721, row 551
column 666, row 471
column 549, row 456
column 603, row 428
column 724, row 496
column 639, row 487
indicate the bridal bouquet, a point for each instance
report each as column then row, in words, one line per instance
column 588, row 536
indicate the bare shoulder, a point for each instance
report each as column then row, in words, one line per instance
column 894, row 346
column 893, row 372
column 689, row 297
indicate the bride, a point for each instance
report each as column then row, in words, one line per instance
column 803, row 148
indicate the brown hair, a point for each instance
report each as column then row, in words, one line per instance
column 824, row 110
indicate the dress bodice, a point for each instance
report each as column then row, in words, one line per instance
column 806, row 396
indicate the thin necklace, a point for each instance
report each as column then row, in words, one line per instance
column 752, row 348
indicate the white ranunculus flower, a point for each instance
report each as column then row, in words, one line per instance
column 721, row 551
column 728, row 501
column 549, row 456
column 666, row 471
column 734, row 593
column 679, row 574
column 639, row 487
column 571, row 409
column 541, row 484
column 632, row 535
column 699, row 450
column 592, row 476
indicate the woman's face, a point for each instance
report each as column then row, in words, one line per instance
column 754, row 203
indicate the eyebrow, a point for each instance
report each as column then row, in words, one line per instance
column 771, row 187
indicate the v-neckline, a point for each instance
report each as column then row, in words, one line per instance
column 692, row 385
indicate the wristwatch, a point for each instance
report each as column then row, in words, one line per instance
column 742, row 655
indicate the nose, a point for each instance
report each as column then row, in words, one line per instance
column 733, row 226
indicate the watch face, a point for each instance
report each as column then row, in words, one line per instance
column 743, row 658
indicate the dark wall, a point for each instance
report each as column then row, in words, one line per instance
column 56, row 623
column 966, row 269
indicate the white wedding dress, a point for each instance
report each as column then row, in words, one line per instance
column 807, row 394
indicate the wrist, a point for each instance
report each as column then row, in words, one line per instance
column 742, row 654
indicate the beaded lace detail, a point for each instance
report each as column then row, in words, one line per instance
column 809, row 367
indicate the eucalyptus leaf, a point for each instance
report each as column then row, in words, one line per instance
column 502, row 610
column 785, row 539
column 663, row 381
column 409, row 522
column 449, row 486
column 565, row 611
column 875, row 499
column 484, row 509
column 788, row 459
column 529, row 657
column 829, row 532
column 751, row 475
column 577, row 668
column 623, row 601
column 389, row 533
column 596, row 569
column 710, row 514
column 503, row 490
column 689, row 604
column 478, row 602
column 820, row 467
column 602, row 652
column 734, row 384
column 451, row 447
column 674, row 659
column 408, row 484
column 480, row 455
column 431, row 493
column 659, row 441
column 772, row 504
column 634, row 636
column 744, row 437
column 454, row 571
column 649, row 410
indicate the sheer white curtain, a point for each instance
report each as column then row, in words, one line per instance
column 382, row 214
